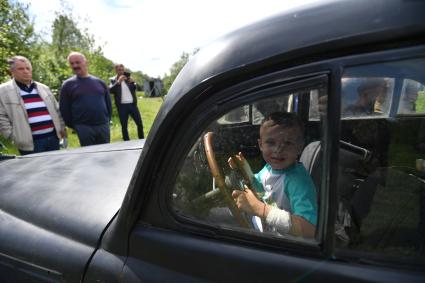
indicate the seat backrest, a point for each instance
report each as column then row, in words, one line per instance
column 351, row 157
column 311, row 160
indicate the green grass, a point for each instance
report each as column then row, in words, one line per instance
column 420, row 103
column 148, row 108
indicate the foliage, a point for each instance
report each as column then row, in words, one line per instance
column 49, row 68
column 139, row 77
column 176, row 68
column 66, row 35
column 17, row 35
column 50, row 60
column 99, row 65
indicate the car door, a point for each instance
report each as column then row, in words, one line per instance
column 188, row 232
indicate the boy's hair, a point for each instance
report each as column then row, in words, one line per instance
column 284, row 119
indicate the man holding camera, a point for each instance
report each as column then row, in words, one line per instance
column 124, row 89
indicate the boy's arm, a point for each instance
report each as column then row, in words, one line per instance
column 301, row 227
column 287, row 223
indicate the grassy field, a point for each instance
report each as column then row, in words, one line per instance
column 148, row 108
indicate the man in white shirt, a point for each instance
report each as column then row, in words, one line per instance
column 124, row 89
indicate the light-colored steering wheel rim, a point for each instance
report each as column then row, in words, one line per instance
column 219, row 179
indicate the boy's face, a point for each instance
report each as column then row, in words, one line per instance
column 280, row 145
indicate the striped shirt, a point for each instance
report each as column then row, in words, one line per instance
column 39, row 119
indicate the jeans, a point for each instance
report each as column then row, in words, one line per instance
column 93, row 134
column 125, row 110
column 48, row 143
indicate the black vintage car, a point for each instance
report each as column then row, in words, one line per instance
column 151, row 211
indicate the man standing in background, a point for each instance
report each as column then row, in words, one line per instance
column 124, row 89
column 29, row 113
column 85, row 103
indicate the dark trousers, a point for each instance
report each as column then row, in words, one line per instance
column 93, row 134
column 48, row 143
column 129, row 109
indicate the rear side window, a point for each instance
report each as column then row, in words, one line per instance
column 412, row 99
column 381, row 173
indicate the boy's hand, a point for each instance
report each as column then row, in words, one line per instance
column 247, row 201
column 238, row 161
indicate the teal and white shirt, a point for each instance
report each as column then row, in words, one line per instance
column 290, row 189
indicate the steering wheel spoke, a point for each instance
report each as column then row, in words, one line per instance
column 218, row 175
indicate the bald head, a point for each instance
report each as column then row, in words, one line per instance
column 78, row 63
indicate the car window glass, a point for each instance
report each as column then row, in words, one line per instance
column 283, row 103
column 238, row 115
column 381, row 172
column 365, row 97
column 412, row 98
column 200, row 197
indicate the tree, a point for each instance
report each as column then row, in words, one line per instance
column 51, row 59
column 139, row 78
column 17, row 35
column 176, row 68
column 99, row 65
column 67, row 36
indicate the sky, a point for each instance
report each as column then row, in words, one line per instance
column 151, row 35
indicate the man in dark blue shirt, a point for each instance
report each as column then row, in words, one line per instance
column 85, row 103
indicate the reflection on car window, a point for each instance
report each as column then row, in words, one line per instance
column 381, row 190
column 412, row 98
column 267, row 106
column 238, row 115
column 366, row 97
column 199, row 196
column 254, row 113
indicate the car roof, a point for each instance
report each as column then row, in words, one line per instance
column 299, row 34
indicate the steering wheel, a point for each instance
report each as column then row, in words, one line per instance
column 218, row 175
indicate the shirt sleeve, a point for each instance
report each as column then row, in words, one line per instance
column 5, row 125
column 65, row 103
column 132, row 86
column 108, row 102
column 301, row 193
column 113, row 86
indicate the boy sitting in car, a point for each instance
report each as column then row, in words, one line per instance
column 288, row 203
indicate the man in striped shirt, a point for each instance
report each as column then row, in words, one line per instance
column 29, row 113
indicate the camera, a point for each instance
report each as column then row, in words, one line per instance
column 127, row 74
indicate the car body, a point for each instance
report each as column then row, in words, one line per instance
column 120, row 213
